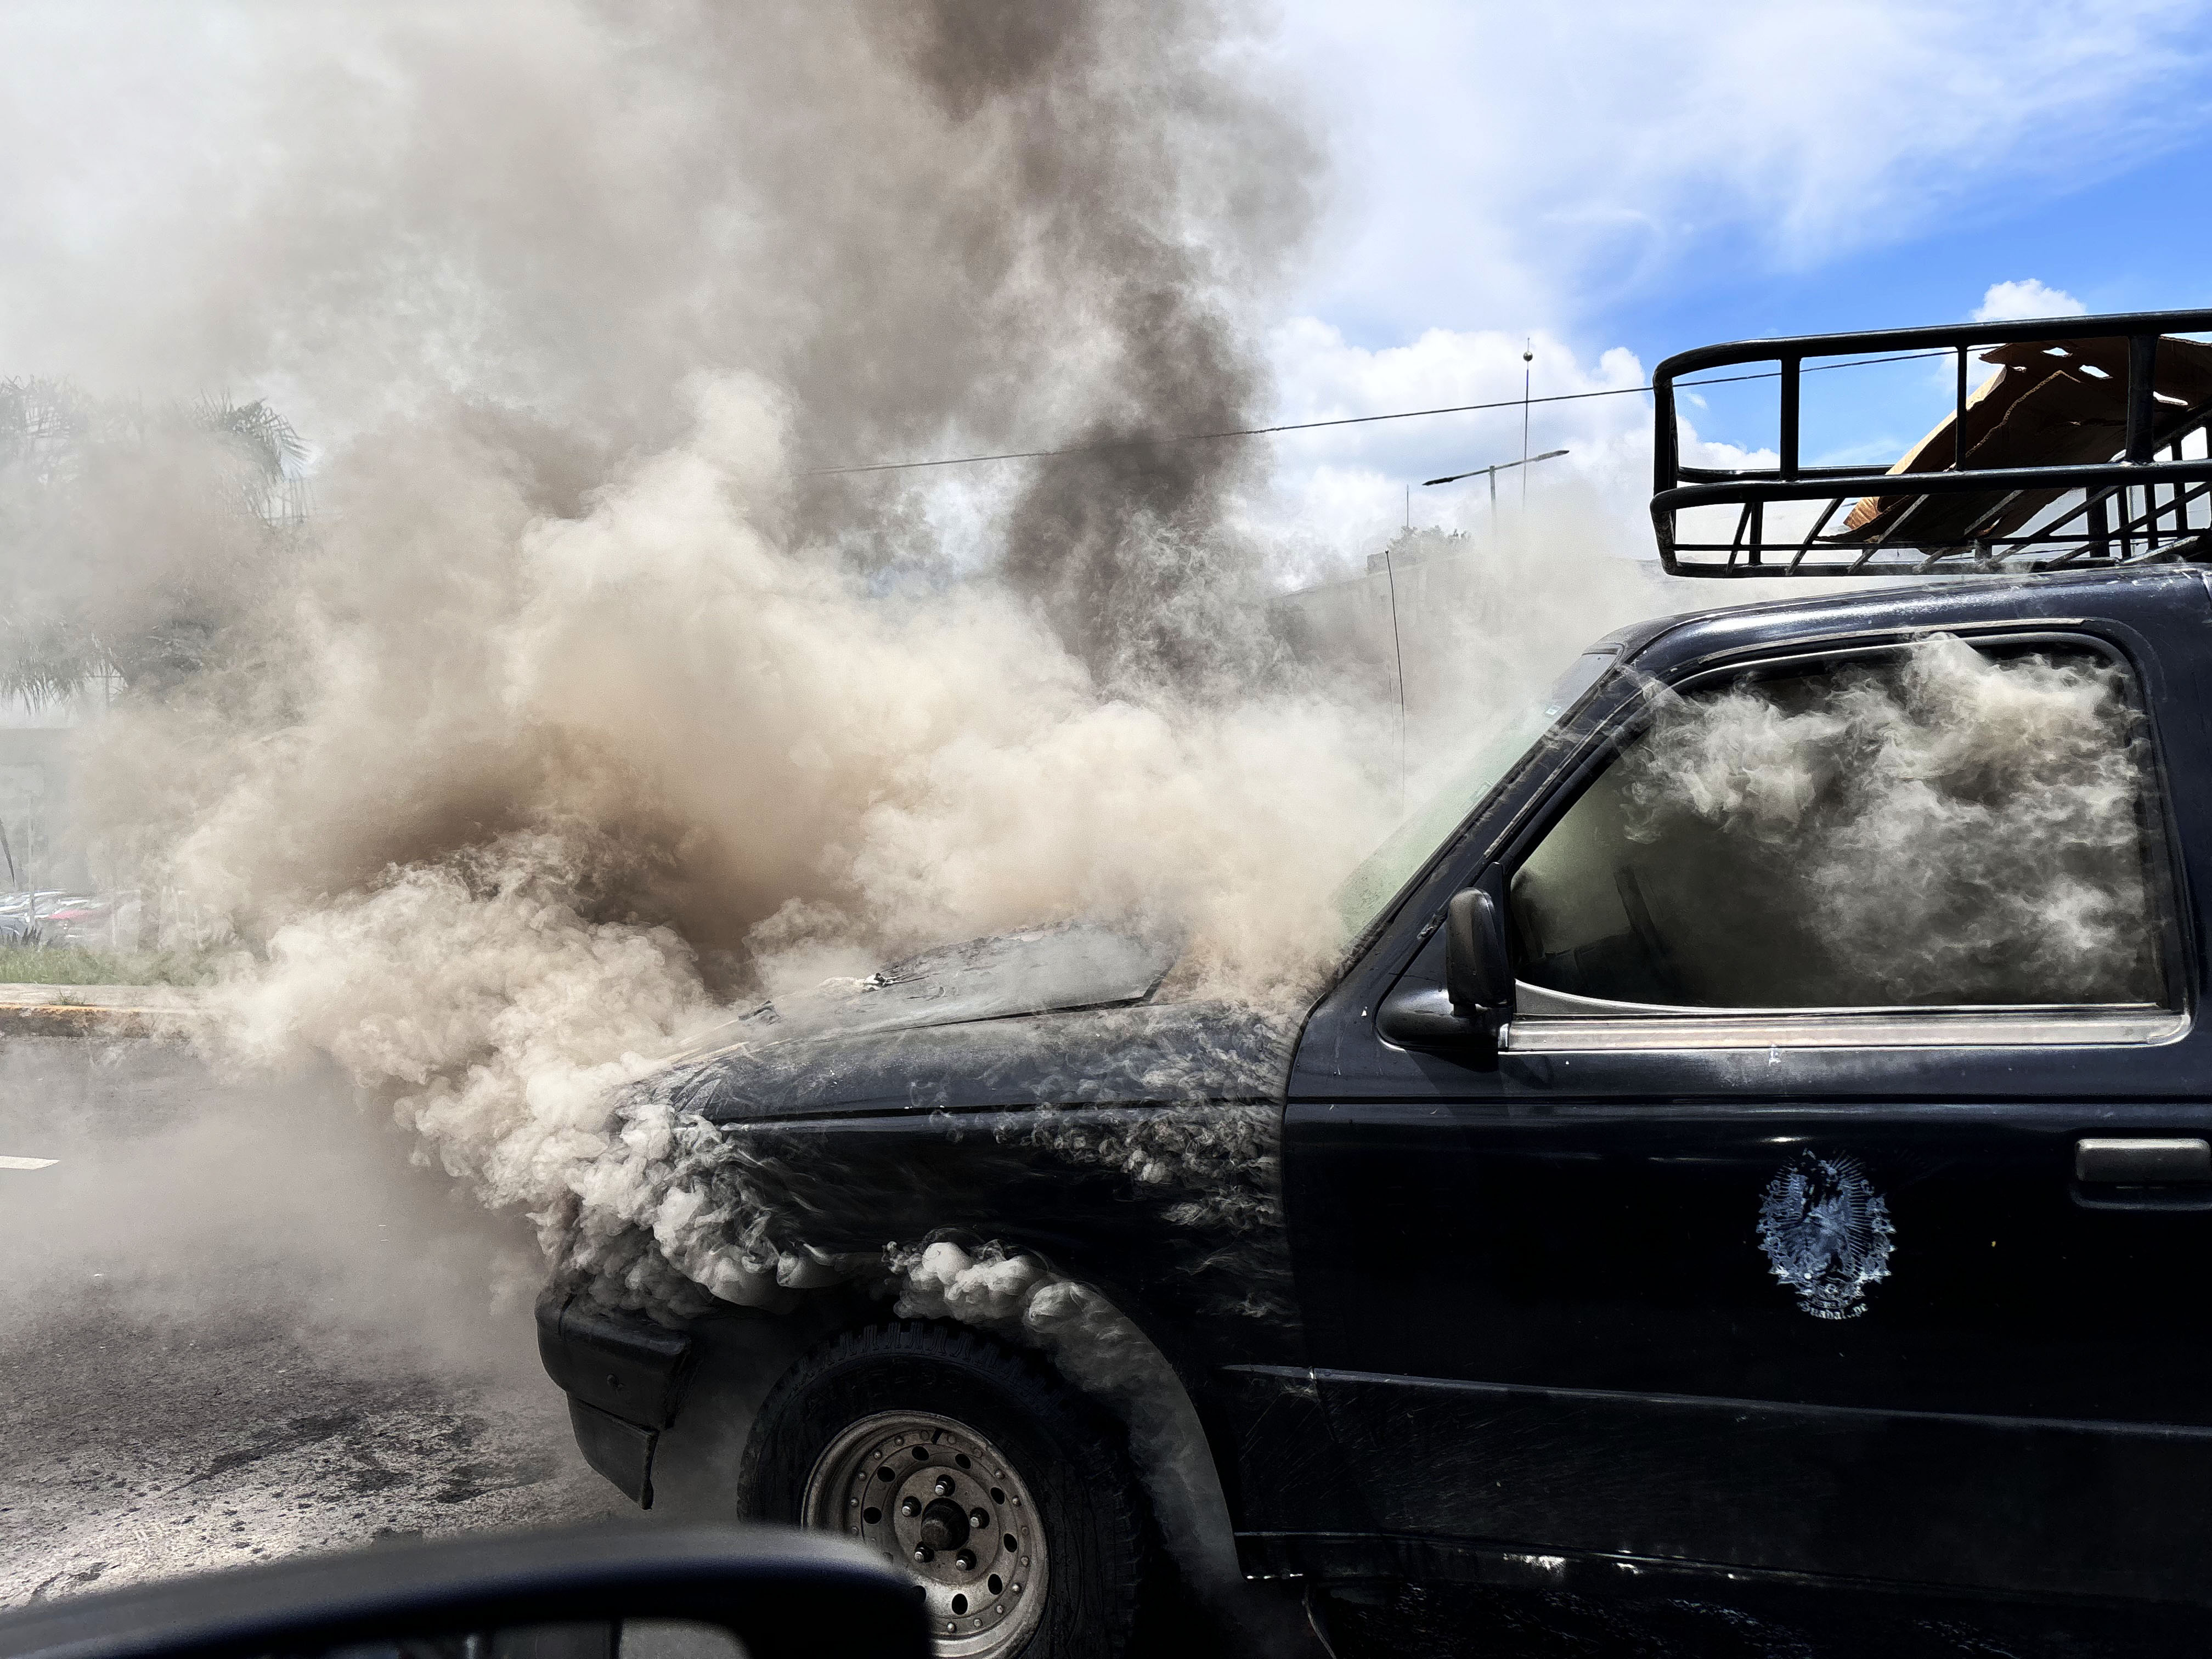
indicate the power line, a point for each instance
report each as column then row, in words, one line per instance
column 1342, row 420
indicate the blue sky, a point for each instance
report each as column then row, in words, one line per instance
column 1632, row 180
column 2139, row 241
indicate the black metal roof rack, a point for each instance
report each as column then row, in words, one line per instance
column 2053, row 463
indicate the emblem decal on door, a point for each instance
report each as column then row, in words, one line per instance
column 1826, row 1233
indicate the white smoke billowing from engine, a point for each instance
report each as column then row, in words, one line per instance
column 656, row 711
column 581, row 702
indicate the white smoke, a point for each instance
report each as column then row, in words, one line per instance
column 580, row 707
column 657, row 713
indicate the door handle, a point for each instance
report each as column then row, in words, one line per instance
column 2143, row 1172
column 2142, row 1160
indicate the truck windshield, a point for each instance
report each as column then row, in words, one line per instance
column 1368, row 891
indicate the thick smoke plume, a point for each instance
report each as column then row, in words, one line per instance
column 579, row 692
column 511, row 829
column 518, row 231
column 583, row 700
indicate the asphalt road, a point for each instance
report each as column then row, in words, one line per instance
column 236, row 1323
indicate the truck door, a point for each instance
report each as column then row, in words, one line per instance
column 1841, row 1201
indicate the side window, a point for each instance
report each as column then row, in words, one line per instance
column 1938, row 826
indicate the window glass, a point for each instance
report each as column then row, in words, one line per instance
column 1941, row 825
column 1361, row 896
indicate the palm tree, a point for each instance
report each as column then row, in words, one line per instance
column 129, row 536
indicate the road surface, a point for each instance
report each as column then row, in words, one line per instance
column 235, row 1323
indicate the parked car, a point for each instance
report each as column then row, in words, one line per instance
column 78, row 920
column 1697, row 1209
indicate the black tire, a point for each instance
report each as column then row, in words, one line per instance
column 1064, row 1448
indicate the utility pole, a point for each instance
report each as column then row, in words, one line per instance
column 1527, row 365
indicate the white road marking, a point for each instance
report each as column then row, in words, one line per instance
column 27, row 1162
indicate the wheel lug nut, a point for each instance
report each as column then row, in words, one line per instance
column 966, row 1560
column 911, row 1507
column 923, row 1553
column 978, row 1520
column 944, row 1486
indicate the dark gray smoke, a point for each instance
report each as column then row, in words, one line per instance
column 933, row 228
column 492, row 259
column 1145, row 192
column 580, row 701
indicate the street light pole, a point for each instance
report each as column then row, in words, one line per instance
column 1493, row 470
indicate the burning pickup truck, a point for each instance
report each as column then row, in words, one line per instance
column 1755, row 1146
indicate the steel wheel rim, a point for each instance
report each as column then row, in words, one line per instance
column 911, row 1471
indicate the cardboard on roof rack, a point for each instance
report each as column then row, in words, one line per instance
column 2059, row 402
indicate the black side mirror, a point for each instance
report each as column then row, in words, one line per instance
column 776, row 1593
column 1477, row 975
column 1468, row 1014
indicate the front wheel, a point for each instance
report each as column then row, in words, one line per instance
column 1008, row 1495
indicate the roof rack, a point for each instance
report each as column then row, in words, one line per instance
column 2087, row 448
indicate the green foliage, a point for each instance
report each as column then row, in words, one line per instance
column 129, row 535
column 58, row 964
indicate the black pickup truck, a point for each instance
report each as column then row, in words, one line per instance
column 1755, row 1153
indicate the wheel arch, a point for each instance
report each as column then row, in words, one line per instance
column 1180, row 1436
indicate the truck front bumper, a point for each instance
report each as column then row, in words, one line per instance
column 624, row 1375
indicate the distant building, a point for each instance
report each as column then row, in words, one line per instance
column 1446, row 600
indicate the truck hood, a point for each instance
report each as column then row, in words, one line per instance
column 1148, row 1054
column 1050, row 1016
column 1082, row 964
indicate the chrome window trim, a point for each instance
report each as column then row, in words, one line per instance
column 1678, row 1029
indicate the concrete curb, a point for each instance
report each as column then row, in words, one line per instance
column 98, row 1009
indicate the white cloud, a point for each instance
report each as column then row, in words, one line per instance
column 1341, row 493
column 1507, row 164
column 2007, row 302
